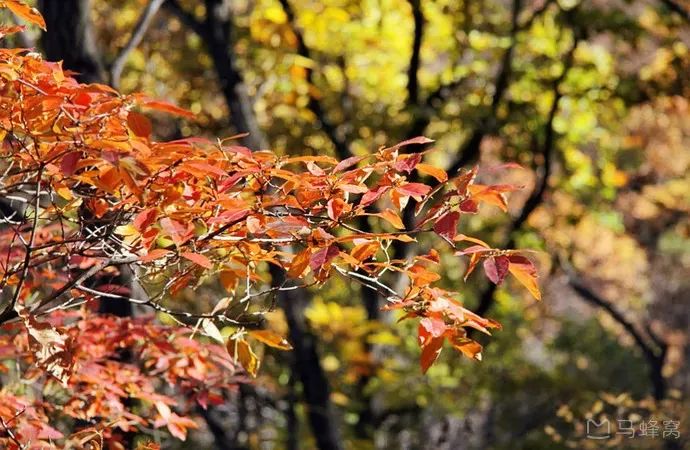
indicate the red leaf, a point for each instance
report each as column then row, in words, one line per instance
column 68, row 165
column 347, row 163
column 323, row 256
column 230, row 216
column 144, row 219
column 496, row 268
column 419, row 140
column 469, row 206
column 139, row 124
column 414, row 189
column 434, row 326
column 314, row 169
column 373, row 195
column 407, row 163
column 177, row 232
column 447, row 226
column 198, row 259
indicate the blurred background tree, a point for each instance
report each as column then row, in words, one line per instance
column 590, row 97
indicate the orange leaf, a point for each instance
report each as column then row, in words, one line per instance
column 198, row 259
column 26, row 12
column 525, row 272
column 436, row 172
column 271, row 339
column 430, row 352
column 154, row 254
column 168, row 108
column 393, row 218
column 299, row 263
column 365, row 250
column 228, row 279
column 469, row 348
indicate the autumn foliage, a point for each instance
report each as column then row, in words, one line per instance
column 93, row 194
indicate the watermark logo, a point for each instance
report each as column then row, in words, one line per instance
column 652, row 428
column 598, row 430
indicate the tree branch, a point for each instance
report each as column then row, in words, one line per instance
column 470, row 149
column 185, row 17
column 654, row 351
column 69, row 37
column 537, row 196
column 423, row 118
column 135, row 39
column 413, row 68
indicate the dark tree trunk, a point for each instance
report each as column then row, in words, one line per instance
column 70, row 38
column 307, row 365
column 217, row 35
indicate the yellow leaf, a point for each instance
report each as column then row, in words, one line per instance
column 525, row 272
column 242, row 352
column 271, row 339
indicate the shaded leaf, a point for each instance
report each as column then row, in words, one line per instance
column 496, row 268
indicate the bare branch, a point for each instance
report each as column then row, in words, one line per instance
column 135, row 39
column 653, row 347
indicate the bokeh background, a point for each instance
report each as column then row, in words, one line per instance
column 589, row 97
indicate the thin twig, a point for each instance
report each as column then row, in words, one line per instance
column 135, row 39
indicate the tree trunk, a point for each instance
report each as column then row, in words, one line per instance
column 307, row 365
column 217, row 33
column 70, row 38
